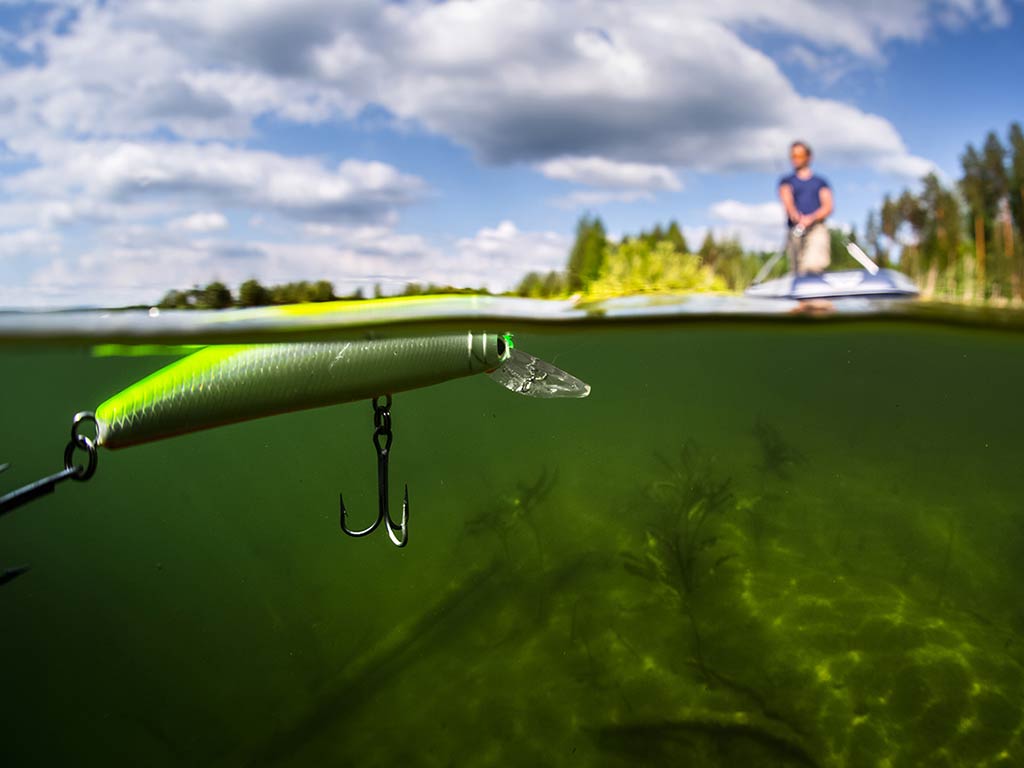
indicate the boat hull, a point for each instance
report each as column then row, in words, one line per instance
column 885, row 283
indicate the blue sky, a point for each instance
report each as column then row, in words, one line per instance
column 160, row 144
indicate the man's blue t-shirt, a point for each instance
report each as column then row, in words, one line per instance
column 806, row 192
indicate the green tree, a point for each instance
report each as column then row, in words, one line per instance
column 655, row 236
column 174, row 300
column 889, row 218
column 553, row 284
column 530, row 285
column 1015, row 202
column 676, row 237
column 912, row 214
column 216, row 295
column 996, row 207
column 251, row 293
column 322, row 290
column 635, row 266
column 734, row 265
column 709, row 250
column 1016, row 177
column 941, row 231
column 840, row 258
column 972, row 185
column 587, row 254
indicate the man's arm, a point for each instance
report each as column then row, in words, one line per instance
column 825, row 204
column 786, row 196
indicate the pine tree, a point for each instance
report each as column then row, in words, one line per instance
column 1016, row 177
column 709, row 250
column 1015, row 201
column 553, row 284
column 996, row 186
column 587, row 254
column 676, row 237
column 972, row 185
column 940, row 231
column 530, row 285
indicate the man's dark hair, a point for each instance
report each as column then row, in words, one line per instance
column 804, row 144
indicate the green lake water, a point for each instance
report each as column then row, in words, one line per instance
column 752, row 545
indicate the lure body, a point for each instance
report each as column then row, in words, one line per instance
column 227, row 384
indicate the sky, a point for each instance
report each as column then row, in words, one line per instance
column 147, row 145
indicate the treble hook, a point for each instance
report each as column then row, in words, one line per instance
column 11, row 501
column 398, row 533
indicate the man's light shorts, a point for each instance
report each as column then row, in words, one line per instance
column 813, row 250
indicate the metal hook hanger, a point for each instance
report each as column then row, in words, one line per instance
column 397, row 532
column 44, row 486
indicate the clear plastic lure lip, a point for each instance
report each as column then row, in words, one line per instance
column 527, row 375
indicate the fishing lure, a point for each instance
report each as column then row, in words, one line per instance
column 221, row 385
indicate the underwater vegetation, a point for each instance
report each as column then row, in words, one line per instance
column 778, row 456
column 687, row 503
column 686, row 550
column 712, row 645
column 684, row 638
column 512, row 511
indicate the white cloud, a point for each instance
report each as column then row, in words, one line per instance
column 28, row 244
column 601, row 172
column 585, row 198
column 128, row 173
column 128, row 267
column 201, row 221
column 107, row 69
column 759, row 226
column 653, row 84
column 860, row 28
column 498, row 257
column 140, row 264
column 907, row 166
column 756, row 214
column 827, row 67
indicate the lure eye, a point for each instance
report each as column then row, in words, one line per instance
column 501, row 346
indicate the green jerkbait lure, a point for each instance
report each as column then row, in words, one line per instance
column 226, row 384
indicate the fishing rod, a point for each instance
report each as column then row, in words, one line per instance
column 222, row 385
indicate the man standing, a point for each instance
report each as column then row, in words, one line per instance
column 808, row 202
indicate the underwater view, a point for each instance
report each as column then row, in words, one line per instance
column 752, row 544
column 502, row 384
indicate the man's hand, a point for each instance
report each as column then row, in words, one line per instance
column 805, row 221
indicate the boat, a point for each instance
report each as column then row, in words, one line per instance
column 870, row 282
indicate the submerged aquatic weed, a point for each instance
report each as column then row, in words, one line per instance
column 778, row 457
column 687, row 502
column 683, row 552
column 512, row 510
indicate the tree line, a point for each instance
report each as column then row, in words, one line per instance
column 252, row 293
column 656, row 260
column 962, row 241
column 659, row 259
